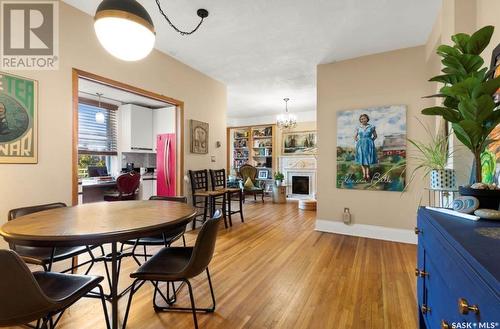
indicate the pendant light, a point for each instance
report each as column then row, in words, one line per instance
column 99, row 116
column 286, row 120
column 125, row 29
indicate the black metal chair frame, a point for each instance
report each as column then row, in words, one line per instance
column 48, row 321
column 138, row 282
column 165, row 241
column 218, row 180
column 47, row 267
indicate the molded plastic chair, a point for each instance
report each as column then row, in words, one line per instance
column 45, row 256
column 39, row 296
column 174, row 264
column 127, row 186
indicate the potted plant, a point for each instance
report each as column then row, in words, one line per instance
column 468, row 103
column 432, row 158
column 278, row 177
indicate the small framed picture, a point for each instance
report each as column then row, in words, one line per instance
column 263, row 174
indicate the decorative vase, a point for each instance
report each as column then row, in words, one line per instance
column 443, row 179
column 489, row 199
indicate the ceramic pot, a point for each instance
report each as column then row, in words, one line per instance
column 279, row 183
column 489, row 199
column 443, row 179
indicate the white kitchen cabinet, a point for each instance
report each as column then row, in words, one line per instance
column 136, row 129
column 147, row 189
column 163, row 122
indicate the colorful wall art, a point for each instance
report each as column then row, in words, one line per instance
column 371, row 148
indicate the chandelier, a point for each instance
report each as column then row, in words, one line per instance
column 125, row 29
column 286, row 120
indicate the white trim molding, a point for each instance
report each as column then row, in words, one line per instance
column 367, row 231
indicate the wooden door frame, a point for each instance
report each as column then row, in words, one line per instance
column 179, row 124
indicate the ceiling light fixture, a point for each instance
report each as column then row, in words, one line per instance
column 286, row 120
column 125, row 29
column 99, row 116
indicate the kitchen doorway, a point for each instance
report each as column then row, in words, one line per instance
column 93, row 93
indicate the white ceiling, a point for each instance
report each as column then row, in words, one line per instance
column 265, row 50
column 89, row 89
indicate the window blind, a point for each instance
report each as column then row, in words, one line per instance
column 96, row 134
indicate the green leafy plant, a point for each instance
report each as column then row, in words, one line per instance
column 468, row 92
column 431, row 155
column 279, row 176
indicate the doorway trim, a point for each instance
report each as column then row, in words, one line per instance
column 179, row 124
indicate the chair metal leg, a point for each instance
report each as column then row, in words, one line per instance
column 104, row 309
column 193, row 307
column 183, row 240
column 129, row 302
column 145, row 253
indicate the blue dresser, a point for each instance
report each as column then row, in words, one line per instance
column 458, row 272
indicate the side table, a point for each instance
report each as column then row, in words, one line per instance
column 279, row 194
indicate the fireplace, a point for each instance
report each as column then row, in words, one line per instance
column 300, row 176
column 300, row 185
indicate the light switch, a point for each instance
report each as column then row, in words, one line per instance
column 213, row 158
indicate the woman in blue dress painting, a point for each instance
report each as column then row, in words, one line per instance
column 366, row 154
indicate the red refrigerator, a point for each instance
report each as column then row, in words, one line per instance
column 165, row 164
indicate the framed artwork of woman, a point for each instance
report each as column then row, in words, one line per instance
column 371, row 148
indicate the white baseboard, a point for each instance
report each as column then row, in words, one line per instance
column 367, row 231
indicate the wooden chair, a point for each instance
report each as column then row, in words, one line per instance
column 174, row 264
column 218, row 180
column 40, row 296
column 46, row 256
column 248, row 171
column 203, row 198
column 127, row 186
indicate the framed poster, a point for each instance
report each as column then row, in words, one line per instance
column 199, row 137
column 371, row 148
column 300, row 143
column 18, row 119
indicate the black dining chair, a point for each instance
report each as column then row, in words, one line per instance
column 203, row 198
column 40, row 296
column 179, row 264
column 165, row 239
column 46, row 256
column 219, row 183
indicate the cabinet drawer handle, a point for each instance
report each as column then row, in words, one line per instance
column 444, row 325
column 425, row 309
column 421, row 273
column 417, row 230
column 464, row 307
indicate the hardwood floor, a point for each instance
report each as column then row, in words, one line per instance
column 275, row 271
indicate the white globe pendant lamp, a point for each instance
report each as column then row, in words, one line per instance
column 125, row 29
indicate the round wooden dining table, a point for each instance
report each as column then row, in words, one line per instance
column 97, row 224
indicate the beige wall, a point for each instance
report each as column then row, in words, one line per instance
column 50, row 179
column 391, row 78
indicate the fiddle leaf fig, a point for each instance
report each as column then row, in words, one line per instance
column 479, row 40
column 467, row 91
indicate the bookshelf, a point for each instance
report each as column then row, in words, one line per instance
column 255, row 145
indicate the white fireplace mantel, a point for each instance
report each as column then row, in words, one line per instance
column 299, row 166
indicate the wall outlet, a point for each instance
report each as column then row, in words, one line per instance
column 212, row 158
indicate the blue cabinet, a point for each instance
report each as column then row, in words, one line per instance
column 458, row 270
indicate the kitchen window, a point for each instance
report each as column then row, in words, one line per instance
column 97, row 136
